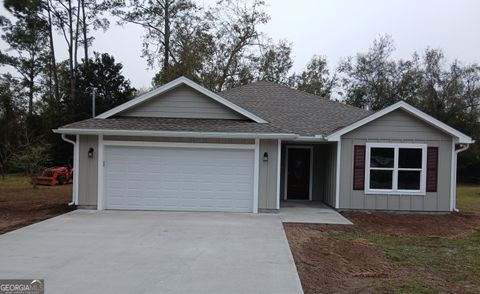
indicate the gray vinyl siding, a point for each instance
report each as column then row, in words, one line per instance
column 267, row 184
column 88, row 172
column 181, row 140
column 324, row 171
column 88, row 167
column 400, row 127
column 327, row 175
column 182, row 102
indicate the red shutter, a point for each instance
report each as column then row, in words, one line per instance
column 359, row 167
column 432, row 169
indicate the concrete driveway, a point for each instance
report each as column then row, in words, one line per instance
column 152, row 252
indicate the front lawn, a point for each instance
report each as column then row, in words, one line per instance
column 393, row 253
column 21, row 205
column 468, row 198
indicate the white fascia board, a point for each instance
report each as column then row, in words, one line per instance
column 110, row 132
column 173, row 84
column 460, row 137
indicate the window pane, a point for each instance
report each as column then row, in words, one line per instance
column 381, row 157
column 381, row 179
column 409, row 180
column 410, row 158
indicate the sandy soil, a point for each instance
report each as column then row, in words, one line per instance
column 21, row 207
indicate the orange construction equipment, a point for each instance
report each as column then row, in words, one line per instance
column 57, row 175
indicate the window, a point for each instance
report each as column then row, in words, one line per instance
column 395, row 168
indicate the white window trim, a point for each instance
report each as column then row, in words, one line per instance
column 395, row 190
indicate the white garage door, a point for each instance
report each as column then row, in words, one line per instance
column 178, row 179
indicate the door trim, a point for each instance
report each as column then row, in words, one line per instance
column 104, row 143
column 287, row 148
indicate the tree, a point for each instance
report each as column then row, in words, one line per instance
column 91, row 17
column 11, row 120
column 27, row 38
column 191, row 50
column 102, row 73
column 275, row 64
column 237, row 43
column 160, row 19
column 315, row 79
column 373, row 80
column 448, row 92
column 33, row 159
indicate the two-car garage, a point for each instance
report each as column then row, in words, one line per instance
column 184, row 177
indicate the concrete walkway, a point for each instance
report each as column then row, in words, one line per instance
column 153, row 252
column 313, row 212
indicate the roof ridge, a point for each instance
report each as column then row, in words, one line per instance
column 311, row 96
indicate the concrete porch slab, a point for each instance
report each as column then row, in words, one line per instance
column 313, row 212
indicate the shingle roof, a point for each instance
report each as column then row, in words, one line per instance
column 292, row 110
column 286, row 110
column 174, row 124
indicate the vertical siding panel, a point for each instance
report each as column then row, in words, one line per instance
column 394, row 202
column 267, row 184
column 88, row 171
column 404, row 203
column 182, row 102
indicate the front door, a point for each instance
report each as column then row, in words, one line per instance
column 298, row 173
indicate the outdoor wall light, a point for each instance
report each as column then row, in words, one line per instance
column 90, row 152
column 265, row 156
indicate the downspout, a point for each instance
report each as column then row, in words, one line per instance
column 462, row 148
column 64, row 138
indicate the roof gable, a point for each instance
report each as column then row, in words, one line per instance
column 182, row 102
column 422, row 116
column 219, row 108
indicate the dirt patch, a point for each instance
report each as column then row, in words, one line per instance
column 453, row 225
column 329, row 264
column 449, row 226
column 22, row 206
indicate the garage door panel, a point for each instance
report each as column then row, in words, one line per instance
column 178, row 179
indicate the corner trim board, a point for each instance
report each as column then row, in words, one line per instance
column 256, row 174
column 279, row 167
column 337, row 171
column 100, row 186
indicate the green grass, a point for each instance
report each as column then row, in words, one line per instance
column 468, row 198
column 414, row 285
column 456, row 259
column 14, row 181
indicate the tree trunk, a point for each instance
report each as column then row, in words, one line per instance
column 84, row 28
column 3, row 170
column 52, row 56
column 70, row 53
column 166, row 48
column 77, row 34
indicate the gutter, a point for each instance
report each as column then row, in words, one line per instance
column 107, row 132
column 64, row 138
column 463, row 147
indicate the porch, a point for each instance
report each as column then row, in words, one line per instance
column 312, row 212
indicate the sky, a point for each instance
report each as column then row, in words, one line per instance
column 332, row 28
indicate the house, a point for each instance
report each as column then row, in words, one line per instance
column 183, row 147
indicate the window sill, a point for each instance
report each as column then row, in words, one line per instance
column 396, row 193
